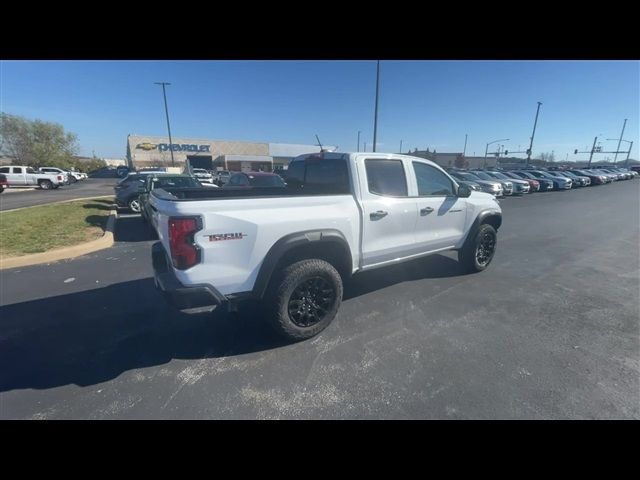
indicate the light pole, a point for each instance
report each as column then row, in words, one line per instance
column 619, row 141
column 400, row 146
column 375, row 118
column 533, row 134
column 628, row 152
column 593, row 149
column 358, row 140
column 465, row 145
column 486, row 150
column 166, row 111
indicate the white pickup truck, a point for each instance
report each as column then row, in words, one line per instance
column 21, row 176
column 292, row 247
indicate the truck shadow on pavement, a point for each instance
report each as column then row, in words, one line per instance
column 93, row 336
column 133, row 229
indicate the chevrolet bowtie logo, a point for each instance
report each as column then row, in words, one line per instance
column 147, row 146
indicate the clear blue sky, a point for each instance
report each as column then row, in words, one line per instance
column 424, row 103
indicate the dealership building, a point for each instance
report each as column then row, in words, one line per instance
column 146, row 151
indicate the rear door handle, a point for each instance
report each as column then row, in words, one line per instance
column 378, row 215
column 426, row 211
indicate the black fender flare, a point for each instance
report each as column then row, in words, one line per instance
column 484, row 217
column 294, row 240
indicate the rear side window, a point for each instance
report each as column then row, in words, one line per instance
column 386, row 177
column 17, row 170
column 327, row 176
column 432, row 181
column 4, row 169
column 319, row 176
column 295, row 174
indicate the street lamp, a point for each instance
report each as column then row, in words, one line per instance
column 535, row 123
column 375, row 117
column 626, row 163
column 166, row 111
column 486, row 150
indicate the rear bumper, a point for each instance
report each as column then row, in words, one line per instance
column 191, row 299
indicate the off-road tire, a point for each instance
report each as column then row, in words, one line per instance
column 297, row 277
column 469, row 257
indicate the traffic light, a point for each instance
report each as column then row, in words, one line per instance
column 575, row 151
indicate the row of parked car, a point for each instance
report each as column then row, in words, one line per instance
column 46, row 178
column 500, row 183
column 133, row 190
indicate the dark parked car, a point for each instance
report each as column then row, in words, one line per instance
column 534, row 185
column 593, row 176
column 578, row 180
column 3, row 182
column 559, row 182
column 166, row 180
column 128, row 190
column 545, row 184
column 122, row 171
column 222, row 177
column 254, row 179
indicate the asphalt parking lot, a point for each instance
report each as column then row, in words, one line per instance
column 18, row 197
column 550, row 331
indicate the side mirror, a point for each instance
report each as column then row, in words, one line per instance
column 464, row 191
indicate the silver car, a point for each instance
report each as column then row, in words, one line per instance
column 202, row 175
column 520, row 187
column 494, row 187
column 507, row 185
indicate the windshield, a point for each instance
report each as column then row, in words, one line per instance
column 464, row 176
column 266, row 181
column 199, row 170
column 175, row 182
column 499, row 175
column 544, row 174
column 483, row 175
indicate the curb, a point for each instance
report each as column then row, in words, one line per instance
column 61, row 201
column 18, row 189
column 65, row 253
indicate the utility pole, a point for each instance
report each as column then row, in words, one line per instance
column 533, row 134
column 400, row 146
column 626, row 163
column 358, row 140
column 465, row 145
column 620, row 141
column 593, row 149
column 166, row 111
column 375, row 118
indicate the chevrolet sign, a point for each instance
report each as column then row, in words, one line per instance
column 146, row 146
column 176, row 147
column 183, row 147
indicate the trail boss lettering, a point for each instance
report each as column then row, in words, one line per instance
column 216, row 237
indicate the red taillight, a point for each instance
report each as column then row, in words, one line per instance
column 59, row 178
column 184, row 253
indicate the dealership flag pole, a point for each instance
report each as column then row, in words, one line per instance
column 166, row 111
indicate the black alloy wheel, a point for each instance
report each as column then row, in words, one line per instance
column 311, row 301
